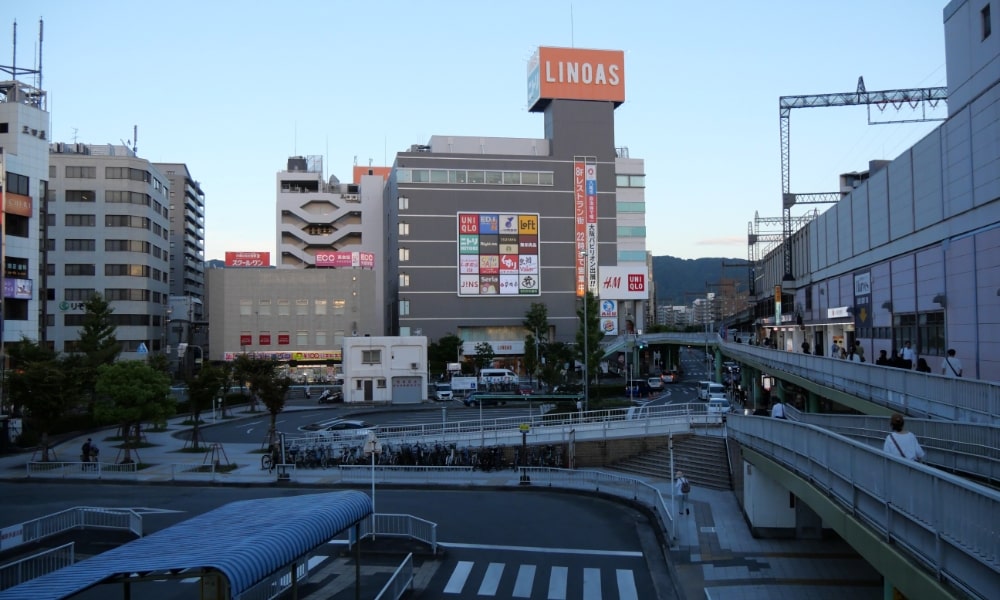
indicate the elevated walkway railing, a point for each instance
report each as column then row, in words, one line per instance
column 935, row 517
column 36, row 565
column 971, row 449
column 78, row 517
column 909, row 392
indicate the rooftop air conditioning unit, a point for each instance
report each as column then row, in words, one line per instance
column 414, row 366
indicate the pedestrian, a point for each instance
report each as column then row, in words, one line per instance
column 308, row 392
column 778, row 409
column 882, row 359
column 922, row 366
column 852, row 355
column 834, row 349
column 682, row 487
column 85, row 451
column 908, row 355
column 859, row 350
column 951, row 366
column 805, row 347
column 902, row 443
column 896, row 360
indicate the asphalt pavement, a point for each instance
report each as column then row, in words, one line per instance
column 713, row 554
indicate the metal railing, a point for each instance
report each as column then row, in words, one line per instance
column 397, row 525
column 934, row 517
column 400, row 582
column 969, row 448
column 279, row 582
column 36, row 565
column 909, row 392
column 96, row 470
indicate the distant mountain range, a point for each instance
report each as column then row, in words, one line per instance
column 680, row 280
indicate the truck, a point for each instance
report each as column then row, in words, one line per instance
column 463, row 386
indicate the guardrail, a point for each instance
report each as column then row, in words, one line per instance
column 280, row 581
column 78, row 469
column 78, row 517
column 36, row 565
column 400, row 582
column 397, row 525
column 909, row 392
column 933, row 516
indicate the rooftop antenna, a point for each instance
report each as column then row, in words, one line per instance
column 75, row 129
column 38, row 75
column 572, row 39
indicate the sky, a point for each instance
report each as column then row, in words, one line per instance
column 233, row 89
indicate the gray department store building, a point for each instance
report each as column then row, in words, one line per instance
column 912, row 252
column 479, row 228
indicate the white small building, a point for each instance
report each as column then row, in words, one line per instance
column 385, row 369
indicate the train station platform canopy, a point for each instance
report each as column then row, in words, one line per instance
column 244, row 541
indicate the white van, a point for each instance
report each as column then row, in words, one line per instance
column 709, row 389
column 497, row 379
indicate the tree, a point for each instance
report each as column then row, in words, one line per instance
column 38, row 382
column 269, row 385
column 129, row 393
column 242, row 371
column 592, row 326
column 203, row 389
column 536, row 322
column 484, row 355
column 98, row 345
column 442, row 352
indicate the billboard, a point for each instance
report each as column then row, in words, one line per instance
column 624, row 283
column 19, row 289
column 248, row 259
column 609, row 317
column 575, row 74
column 342, row 259
column 498, row 255
column 585, row 222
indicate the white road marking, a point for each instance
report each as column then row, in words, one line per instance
column 457, row 580
column 591, row 584
column 525, row 577
column 557, row 583
column 626, row 585
column 491, row 580
column 626, row 553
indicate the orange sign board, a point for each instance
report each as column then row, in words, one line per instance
column 18, row 205
column 576, row 74
column 360, row 172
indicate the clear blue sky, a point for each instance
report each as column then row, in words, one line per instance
column 235, row 88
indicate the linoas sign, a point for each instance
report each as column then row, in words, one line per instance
column 575, row 74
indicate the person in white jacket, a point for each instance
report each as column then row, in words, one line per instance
column 902, row 443
column 682, row 488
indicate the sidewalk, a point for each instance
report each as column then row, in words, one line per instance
column 713, row 556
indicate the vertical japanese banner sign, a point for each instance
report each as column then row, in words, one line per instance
column 591, row 183
column 777, row 305
column 580, row 222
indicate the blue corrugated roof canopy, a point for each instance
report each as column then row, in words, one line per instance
column 245, row 541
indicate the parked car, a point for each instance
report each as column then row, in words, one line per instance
column 655, row 383
column 341, row 427
column 475, row 398
column 719, row 406
column 442, row 392
column 525, row 389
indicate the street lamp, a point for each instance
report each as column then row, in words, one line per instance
column 586, row 334
column 373, row 447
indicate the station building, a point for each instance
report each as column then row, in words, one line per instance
column 479, row 228
column 911, row 252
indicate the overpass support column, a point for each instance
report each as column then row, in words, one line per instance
column 812, row 402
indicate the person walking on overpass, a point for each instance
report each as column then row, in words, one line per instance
column 902, row 443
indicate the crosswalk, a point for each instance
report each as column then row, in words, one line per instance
column 552, row 582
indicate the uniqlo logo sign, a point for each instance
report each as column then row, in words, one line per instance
column 637, row 283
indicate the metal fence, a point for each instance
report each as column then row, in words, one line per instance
column 279, row 582
column 36, row 565
column 944, row 522
column 396, row 525
column 77, row 469
column 80, row 517
column 909, row 392
column 400, row 582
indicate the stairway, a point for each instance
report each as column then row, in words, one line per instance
column 701, row 457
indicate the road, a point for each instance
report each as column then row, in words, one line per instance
column 513, row 543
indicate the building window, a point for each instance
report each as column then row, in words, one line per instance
column 404, row 229
column 79, row 245
column 80, row 195
column 985, row 17
column 126, row 246
column 338, row 307
column 246, row 307
column 301, row 338
column 320, row 304
column 284, row 308
column 404, row 203
column 404, row 254
column 80, row 221
column 301, row 307
column 78, row 269
column 264, row 307
column 637, row 231
column 320, row 339
column 404, row 308
column 81, row 172
column 78, row 294
column 371, row 357
column 380, row 383
column 404, row 280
